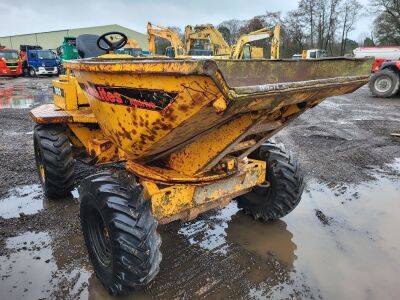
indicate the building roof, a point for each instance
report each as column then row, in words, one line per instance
column 53, row 39
column 69, row 29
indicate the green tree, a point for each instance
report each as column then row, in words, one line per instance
column 226, row 33
column 368, row 42
column 351, row 10
column 387, row 22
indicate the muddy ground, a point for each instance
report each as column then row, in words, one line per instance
column 341, row 241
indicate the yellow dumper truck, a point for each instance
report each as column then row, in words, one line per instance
column 192, row 135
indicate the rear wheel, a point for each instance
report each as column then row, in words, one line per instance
column 25, row 71
column 285, row 179
column 54, row 160
column 384, row 83
column 119, row 231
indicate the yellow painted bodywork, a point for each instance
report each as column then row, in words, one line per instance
column 190, row 154
column 72, row 96
column 185, row 201
column 204, row 149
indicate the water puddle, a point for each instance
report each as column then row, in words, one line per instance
column 210, row 233
column 341, row 242
column 22, row 200
column 26, row 272
column 32, row 271
column 356, row 254
column 25, row 93
column 29, row 200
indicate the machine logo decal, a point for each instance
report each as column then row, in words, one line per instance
column 58, row 91
column 140, row 98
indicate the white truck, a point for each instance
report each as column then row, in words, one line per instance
column 313, row 54
column 384, row 52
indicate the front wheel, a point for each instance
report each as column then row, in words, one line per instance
column 384, row 83
column 284, row 187
column 119, row 231
column 32, row 72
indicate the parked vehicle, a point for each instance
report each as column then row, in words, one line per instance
column 297, row 56
column 176, row 49
column 24, row 48
column 243, row 49
column 313, row 54
column 68, row 49
column 135, row 52
column 10, row 62
column 387, row 52
column 385, row 82
column 192, row 135
column 381, row 55
column 131, row 48
column 40, row 62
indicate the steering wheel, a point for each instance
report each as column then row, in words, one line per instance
column 112, row 45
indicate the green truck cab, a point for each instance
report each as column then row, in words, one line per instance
column 67, row 50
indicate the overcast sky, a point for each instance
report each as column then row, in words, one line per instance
column 22, row 16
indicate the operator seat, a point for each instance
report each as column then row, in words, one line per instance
column 86, row 44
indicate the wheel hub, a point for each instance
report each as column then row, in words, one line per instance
column 383, row 84
column 100, row 238
column 40, row 166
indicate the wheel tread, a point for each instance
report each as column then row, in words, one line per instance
column 57, row 158
column 135, row 242
column 287, row 186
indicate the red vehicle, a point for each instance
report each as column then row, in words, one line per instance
column 386, row 81
column 10, row 63
column 381, row 54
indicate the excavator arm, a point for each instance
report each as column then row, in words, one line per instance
column 264, row 33
column 165, row 33
column 275, row 43
column 207, row 33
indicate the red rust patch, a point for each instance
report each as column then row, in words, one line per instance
column 183, row 107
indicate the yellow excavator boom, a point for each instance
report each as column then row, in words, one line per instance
column 263, row 33
column 165, row 33
column 207, row 34
column 275, row 42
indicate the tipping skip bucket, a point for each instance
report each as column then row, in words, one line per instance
column 150, row 107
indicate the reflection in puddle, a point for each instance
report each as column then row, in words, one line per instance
column 267, row 240
column 357, row 256
column 26, row 273
column 210, row 233
column 25, row 93
column 32, row 271
column 28, row 200
column 22, row 200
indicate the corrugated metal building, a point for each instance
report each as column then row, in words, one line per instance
column 53, row 39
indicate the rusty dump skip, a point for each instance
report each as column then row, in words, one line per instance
column 154, row 107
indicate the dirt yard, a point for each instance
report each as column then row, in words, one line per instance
column 341, row 242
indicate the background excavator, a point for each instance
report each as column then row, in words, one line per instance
column 176, row 49
column 132, row 48
column 205, row 40
column 243, row 49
